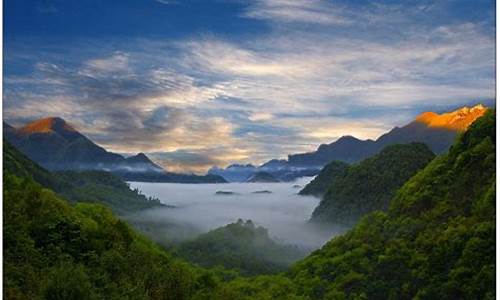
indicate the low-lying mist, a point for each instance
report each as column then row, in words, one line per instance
column 198, row 209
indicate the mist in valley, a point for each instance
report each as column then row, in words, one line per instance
column 197, row 208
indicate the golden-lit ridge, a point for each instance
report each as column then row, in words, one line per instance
column 458, row 120
column 46, row 125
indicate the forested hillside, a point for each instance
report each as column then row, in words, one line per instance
column 86, row 186
column 370, row 184
column 241, row 246
column 436, row 241
column 328, row 175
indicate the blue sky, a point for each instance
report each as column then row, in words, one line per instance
column 202, row 83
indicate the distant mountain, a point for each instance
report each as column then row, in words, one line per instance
column 234, row 172
column 262, row 177
column 279, row 169
column 56, row 145
column 437, row 131
column 85, row 186
column 370, row 184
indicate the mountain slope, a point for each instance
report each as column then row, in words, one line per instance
column 56, row 251
column 241, row 246
column 437, row 240
column 370, row 184
column 87, row 186
column 56, row 145
column 436, row 131
column 262, row 177
column 328, row 175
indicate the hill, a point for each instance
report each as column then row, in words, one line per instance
column 87, row 186
column 241, row 246
column 370, row 184
column 328, row 175
column 56, row 145
column 56, row 251
column 262, row 177
column 437, row 241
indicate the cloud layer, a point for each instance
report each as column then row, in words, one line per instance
column 320, row 71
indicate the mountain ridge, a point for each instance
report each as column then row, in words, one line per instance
column 56, row 145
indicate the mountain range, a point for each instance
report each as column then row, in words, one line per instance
column 437, row 131
column 56, row 145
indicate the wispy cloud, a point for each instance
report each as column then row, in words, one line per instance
column 207, row 99
column 301, row 11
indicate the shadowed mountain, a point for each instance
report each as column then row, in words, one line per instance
column 262, row 177
column 437, row 131
column 234, row 172
column 370, row 184
column 56, row 145
column 328, row 175
column 85, row 186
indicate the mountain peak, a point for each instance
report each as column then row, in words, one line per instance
column 46, row 125
column 458, row 120
column 139, row 158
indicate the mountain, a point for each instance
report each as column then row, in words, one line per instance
column 83, row 186
column 56, row 145
column 279, row 169
column 234, row 172
column 262, row 177
column 328, row 175
column 241, row 246
column 436, row 241
column 54, row 250
column 437, row 131
column 370, row 184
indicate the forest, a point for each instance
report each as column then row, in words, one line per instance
column 434, row 238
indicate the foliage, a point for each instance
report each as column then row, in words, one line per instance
column 328, row 175
column 370, row 184
column 241, row 246
column 437, row 241
column 56, row 251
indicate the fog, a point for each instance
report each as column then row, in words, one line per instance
column 198, row 209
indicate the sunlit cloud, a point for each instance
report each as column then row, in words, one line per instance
column 207, row 99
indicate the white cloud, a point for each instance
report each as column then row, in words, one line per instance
column 302, row 11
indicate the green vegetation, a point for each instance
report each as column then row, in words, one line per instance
column 370, row 184
column 436, row 241
column 328, row 175
column 55, row 251
column 88, row 186
column 241, row 246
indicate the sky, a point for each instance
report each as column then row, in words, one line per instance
column 195, row 84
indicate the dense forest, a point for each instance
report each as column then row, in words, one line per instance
column 370, row 184
column 435, row 241
column 241, row 246
column 326, row 177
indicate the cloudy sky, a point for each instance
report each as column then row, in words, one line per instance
column 212, row 82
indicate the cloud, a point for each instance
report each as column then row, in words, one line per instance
column 215, row 99
column 301, row 11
